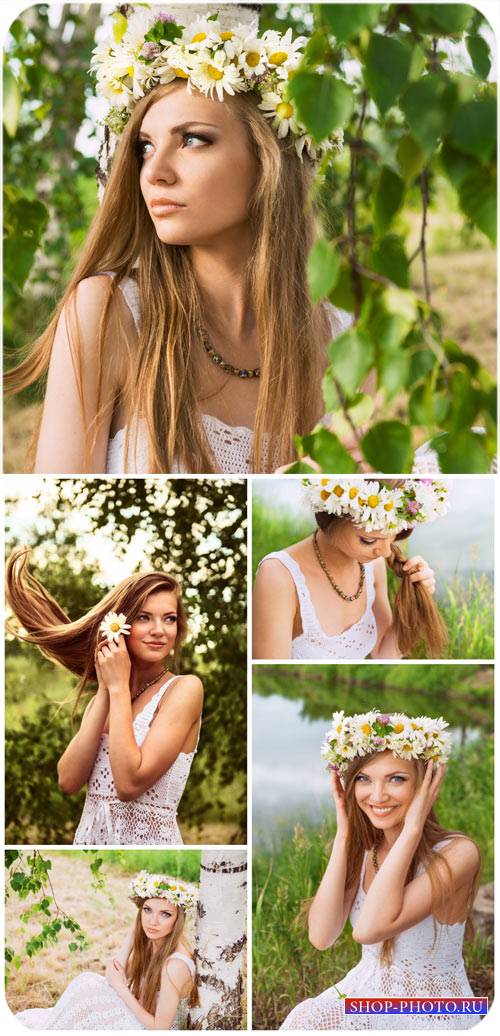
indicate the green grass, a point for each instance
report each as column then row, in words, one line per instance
column 178, row 863
column 286, row 968
column 466, row 603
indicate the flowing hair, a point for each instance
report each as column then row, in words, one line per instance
column 143, row 968
column 158, row 371
column 72, row 644
column 362, row 837
column 415, row 615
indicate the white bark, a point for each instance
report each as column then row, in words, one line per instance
column 220, row 940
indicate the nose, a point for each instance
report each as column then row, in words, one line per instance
column 159, row 169
column 383, row 550
column 157, row 624
column 379, row 795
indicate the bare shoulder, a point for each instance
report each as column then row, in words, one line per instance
column 273, row 575
column 189, row 689
column 462, row 855
column 91, row 295
column 178, row 972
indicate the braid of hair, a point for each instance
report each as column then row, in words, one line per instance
column 416, row 616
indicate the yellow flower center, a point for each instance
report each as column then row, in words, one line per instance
column 353, row 492
column 325, row 481
column 373, row 501
column 398, row 728
column 214, row 73
column 366, row 728
column 253, row 58
column 284, row 110
column 278, row 58
column 180, row 73
column 114, row 627
column 362, row 501
column 338, row 490
column 339, row 728
column 324, row 494
column 199, row 37
column 130, row 71
column 226, row 36
column 388, row 506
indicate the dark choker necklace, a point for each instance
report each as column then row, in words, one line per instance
column 238, row 372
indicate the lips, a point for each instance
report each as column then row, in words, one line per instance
column 155, row 643
column 166, row 205
column 382, row 811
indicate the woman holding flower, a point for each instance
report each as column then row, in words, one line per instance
column 140, row 730
column 406, row 883
column 151, row 981
column 326, row 597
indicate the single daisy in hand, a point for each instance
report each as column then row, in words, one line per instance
column 113, row 625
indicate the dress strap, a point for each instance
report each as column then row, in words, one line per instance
column 130, row 292
column 307, row 613
column 363, row 872
column 150, row 709
column 370, row 584
column 185, row 958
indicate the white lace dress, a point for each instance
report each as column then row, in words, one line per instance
column 357, row 641
column 89, row 1002
column 420, row 968
column 151, row 818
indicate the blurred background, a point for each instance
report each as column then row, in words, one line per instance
column 294, row 815
column 459, row 547
column 86, row 535
column 50, row 196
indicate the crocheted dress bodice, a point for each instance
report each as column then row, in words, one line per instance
column 151, row 818
column 355, row 642
column 89, row 1002
column 427, row 962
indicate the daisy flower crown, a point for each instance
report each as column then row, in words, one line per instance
column 407, row 737
column 147, row 48
column 157, row 886
column 377, row 506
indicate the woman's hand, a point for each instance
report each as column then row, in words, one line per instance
column 113, row 664
column 115, row 975
column 340, row 808
column 425, row 797
column 419, row 572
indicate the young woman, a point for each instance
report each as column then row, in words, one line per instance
column 326, row 597
column 186, row 339
column 406, row 883
column 140, row 730
column 151, row 982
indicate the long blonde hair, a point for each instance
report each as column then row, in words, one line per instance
column 362, row 837
column 159, row 382
column 72, row 644
column 143, row 968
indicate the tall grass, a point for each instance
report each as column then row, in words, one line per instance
column 466, row 603
column 286, row 968
column 177, row 863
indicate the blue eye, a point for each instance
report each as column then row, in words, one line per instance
column 186, row 137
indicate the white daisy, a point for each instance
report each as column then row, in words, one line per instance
column 253, row 56
column 282, row 51
column 281, row 112
column 214, row 72
column 113, row 625
column 200, row 32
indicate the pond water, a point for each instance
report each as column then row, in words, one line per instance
column 289, row 779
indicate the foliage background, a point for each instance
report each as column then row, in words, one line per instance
column 196, row 528
column 287, row 969
column 409, row 207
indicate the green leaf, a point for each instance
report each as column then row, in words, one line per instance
column 345, row 20
column 427, row 406
column 163, row 31
column 387, row 447
column 422, row 362
column 449, row 18
column 387, row 198
column 388, row 330
column 72, row 947
column 389, row 258
column 360, row 412
column 119, row 26
column 393, row 372
column 343, row 293
column 463, row 453
column 25, row 222
column 11, row 101
column 387, row 66
column 351, row 356
column 478, row 200
column 325, row 448
column 456, row 165
column 323, row 265
column 479, row 54
column 428, row 106
column 411, row 158
column 464, row 401
column 400, row 303
column 474, row 128
column 299, row 468
column 324, row 103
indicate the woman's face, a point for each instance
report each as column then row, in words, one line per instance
column 154, row 629
column 360, row 543
column 198, row 172
column 158, row 917
column 384, row 788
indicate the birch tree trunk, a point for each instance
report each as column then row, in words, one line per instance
column 220, row 940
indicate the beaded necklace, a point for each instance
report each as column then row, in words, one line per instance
column 338, row 590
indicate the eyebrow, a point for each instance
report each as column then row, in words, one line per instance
column 183, row 126
column 144, row 611
column 393, row 773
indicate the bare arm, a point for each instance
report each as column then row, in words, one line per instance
column 175, row 983
column 273, row 610
column 75, row 765
column 72, row 396
column 331, row 905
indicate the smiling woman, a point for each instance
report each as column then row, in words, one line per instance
column 186, row 339
column 140, row 730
